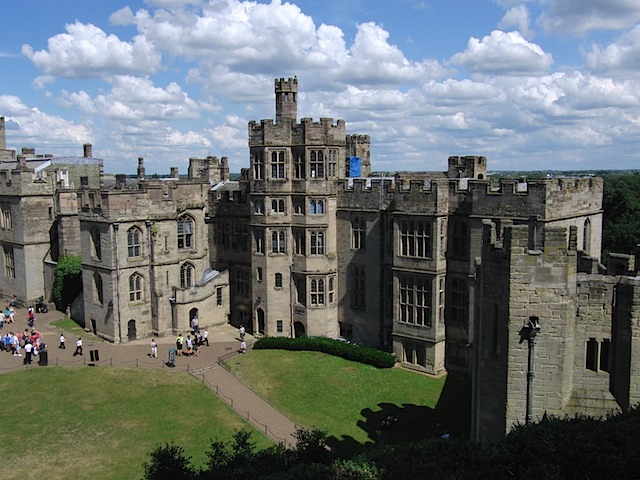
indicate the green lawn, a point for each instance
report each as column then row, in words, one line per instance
column 69, row 327
column 350, row 400
column 78, row 423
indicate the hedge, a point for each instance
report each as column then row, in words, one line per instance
column 348, row 351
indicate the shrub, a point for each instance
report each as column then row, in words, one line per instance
column 348, row 351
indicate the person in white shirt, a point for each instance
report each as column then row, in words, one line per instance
column 78, row 347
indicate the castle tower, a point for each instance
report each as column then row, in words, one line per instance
column 3, row 135
column 286, row 100
column 141, row 171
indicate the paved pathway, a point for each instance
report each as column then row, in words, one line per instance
column 207, row 366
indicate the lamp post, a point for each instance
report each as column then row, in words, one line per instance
column 529, row 332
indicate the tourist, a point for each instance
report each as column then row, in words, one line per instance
column 189, row 345
column 194, row 324
column 28, row 351
column 179, row 342
column 62, row 345
column 78, row 347
column 205, row 337
column 243, row 346
column 242, row 332
column 154, row 348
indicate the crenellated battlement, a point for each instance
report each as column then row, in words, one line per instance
column 547, row 200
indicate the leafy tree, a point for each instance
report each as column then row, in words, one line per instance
column 554, row 449
column 169, row 462
column 67, row 283
column 621, row 206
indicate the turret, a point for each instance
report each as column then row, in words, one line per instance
column 3, row 135
column 286, row 100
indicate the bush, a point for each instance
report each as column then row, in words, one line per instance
column 348, row 351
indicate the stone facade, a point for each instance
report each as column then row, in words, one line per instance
column 38, row 217
column 145, row 250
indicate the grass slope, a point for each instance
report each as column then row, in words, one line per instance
column 78, row 423
column 349, row 400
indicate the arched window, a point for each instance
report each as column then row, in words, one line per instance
column 98, row 293
column 317, row 291
column 135, row 287
column 133, row 242
column 185, row 232
column 358, row 227
column 586, row 236
column 278, row 242
column 316, row 206
column 95, row 243
column 187, row 272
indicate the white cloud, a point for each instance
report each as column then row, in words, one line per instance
column 32, row 127
column 137, row 99
column 583, row 16
column 517, row 16
column 621, row 57
column 122, row 17
column 87, row 51
column 503, row 53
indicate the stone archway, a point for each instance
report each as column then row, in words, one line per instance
column 299, row 330
column 132, row 331
column 260, row 315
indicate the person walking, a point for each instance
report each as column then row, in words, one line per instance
column 78, row 347
column 243, row 346
column 242, row 332
column 154, row 348
column 205, row 337
column 62, row 345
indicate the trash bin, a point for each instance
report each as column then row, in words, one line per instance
column 43, row 358
column 172, row 357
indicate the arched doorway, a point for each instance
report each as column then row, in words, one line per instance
column 260, row 314
column 193, row 313
column 299, row 330
column 132, row 332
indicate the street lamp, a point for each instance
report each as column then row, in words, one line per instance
column 529, row 332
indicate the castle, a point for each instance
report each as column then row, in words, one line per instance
column 442, row 268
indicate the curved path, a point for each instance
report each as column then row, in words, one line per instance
column 208, row 366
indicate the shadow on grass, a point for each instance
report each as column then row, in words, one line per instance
column 393, row 424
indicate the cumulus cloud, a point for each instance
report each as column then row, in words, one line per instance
column 517, row 16
column 581, row 17
column 254, row 38
column 503, row 53
column 135, row 99
column 31, row 126
column 619, row 57
column 122, row 17
column 87, row 51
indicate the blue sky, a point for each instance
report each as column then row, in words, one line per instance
column 530, row 84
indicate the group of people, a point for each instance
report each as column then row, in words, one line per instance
column 190, row 345
column 8, row 315
column 29, row 342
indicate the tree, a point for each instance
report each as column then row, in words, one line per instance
column 621, row 206
column 67, row 284
column 168, row 462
